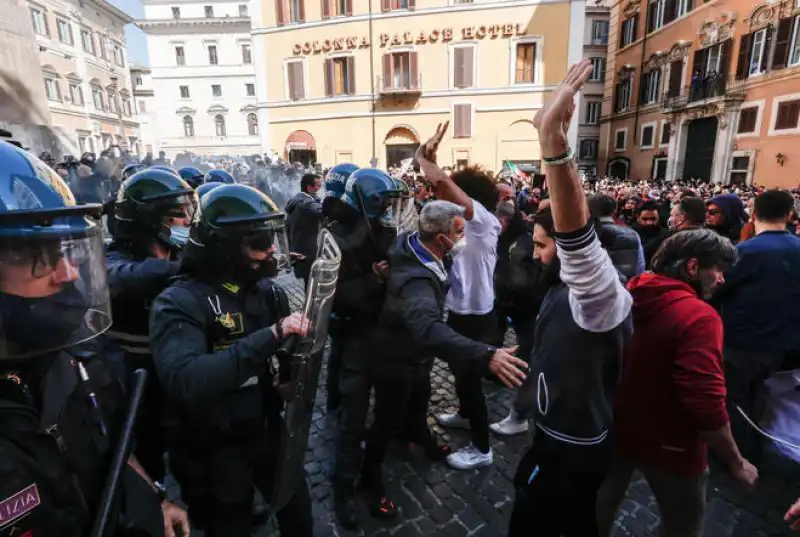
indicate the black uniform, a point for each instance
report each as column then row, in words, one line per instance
column 212, row 344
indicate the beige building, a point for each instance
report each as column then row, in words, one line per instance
column 86, row 83
column 338, row 83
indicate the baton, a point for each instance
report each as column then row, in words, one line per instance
column 121, row 453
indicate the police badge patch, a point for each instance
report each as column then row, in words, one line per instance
column 18, row 505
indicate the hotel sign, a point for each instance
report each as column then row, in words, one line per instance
column 443, row 35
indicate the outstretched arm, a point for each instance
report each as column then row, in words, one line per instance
column 444, row 187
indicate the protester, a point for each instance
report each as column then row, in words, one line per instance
column 648, row 226
column 688, row 213
column 304, row 214
column 726, row 216
column 623, row 244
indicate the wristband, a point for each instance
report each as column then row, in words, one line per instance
column 561, row 159
column 161, row 491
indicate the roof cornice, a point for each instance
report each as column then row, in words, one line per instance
column 112, row 11
column 163, row 24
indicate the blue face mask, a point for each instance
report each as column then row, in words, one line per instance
column 179, row 236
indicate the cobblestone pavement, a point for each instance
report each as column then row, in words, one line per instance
column 435, row 500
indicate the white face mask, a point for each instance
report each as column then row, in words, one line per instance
column 458, row 247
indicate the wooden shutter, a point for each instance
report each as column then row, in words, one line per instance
column 743, row 60
column 675, row 74
column 469, row 67
column 290, row 81
column 670, row 10
column 636, row 26
column 651, row 17
column 462, row 120
column 783, row 38
column 412, row 4
column 348, row 8
column 643, row 78
column 725, row 58
column 280, row 12
column 765, row 54
column 326, row 9
column 413, row 67
column 459, row 69
column 386, row 5
column 388, row 80
column 351, row 75
column 329, row 76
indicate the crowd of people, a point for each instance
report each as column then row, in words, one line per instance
column 649, row 319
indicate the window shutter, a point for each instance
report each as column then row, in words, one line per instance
column 742, row 62
column 413, row 67
column 643, row 87
column 780, row 58
column 670, row 10
column 386, row 5
column 349, row 8
column 636, row 26
column 459, row 69
column 651, row 18
column 328, row 68
column 326, row 9
column 700, row 61
column 725, row 58
column 767, row 43
column 301, row 82
column 461, row 121
column 351, row 75
column 675, row 74
column 469, row 66
column 388, row 81
column 280, row 12
column 412, row 4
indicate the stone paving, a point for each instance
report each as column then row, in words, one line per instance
column 435, row 500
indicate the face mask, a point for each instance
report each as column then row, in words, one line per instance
column 179, row 236
column 245, row 273
column 455, row 248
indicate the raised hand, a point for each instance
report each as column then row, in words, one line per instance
column 552, row 120
column 427, row 151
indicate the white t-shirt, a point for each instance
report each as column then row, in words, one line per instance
column 472, row 274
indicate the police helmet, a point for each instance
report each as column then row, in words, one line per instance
column 147, row 204
column 219, row 176
column 131, row 169
column 53, row 291
column 370, row 191
column 191, row 175
column 336, row 179
column 205, row 188
column 165, row 168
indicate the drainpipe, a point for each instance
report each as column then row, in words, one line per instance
column 372, row 78
column 639, row 88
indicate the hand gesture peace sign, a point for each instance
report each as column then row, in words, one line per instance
column 427, row 151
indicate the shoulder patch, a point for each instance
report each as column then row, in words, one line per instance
column 233, row 288
column 19, row 504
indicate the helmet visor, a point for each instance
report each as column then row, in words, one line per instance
column 53, row 293
column 400, row 214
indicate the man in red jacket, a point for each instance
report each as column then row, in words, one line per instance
column 670, row 404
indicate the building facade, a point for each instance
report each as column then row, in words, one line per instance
column 346, row 84
column 81, row 49
column 144, row 104
column 590, row 102
column 203, row 77
column 708, row 90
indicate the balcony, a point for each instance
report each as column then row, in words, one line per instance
column 702, row 91
column 400, row 86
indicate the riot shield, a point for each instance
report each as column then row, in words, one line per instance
column 305, row 367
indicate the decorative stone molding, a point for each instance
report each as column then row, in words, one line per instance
column 679, row 50
column 217, row 109
column 185, row 110
column 762, row 15
column 248, row 108
column 713, row 32
column 631, row 8
column 656, row 60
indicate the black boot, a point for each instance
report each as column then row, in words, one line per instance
column 344, row 503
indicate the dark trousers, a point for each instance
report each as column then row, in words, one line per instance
column 334, row 362
column 468, row 376
column 560, row 499
column 402, row 394
column 218, row 477
column 354, row 387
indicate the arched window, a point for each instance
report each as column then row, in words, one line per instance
column 252, row 124
column 188, row 126
column 219, row 125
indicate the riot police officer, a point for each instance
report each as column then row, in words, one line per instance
column 364, row 235
column 205, row 188
column 192, row 175
column 151, row 224
column 212, row 335
column 219, row 176
column 61, row 407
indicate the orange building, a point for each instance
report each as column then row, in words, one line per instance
column 703, row 89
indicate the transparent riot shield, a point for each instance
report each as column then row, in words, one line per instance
column 305, row 367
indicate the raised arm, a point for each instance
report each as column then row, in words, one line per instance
column 442, row 185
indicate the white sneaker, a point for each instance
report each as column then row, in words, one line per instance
column 510, row 425
column 453, row 421
column 470, row 457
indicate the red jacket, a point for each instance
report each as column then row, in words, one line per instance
column 673, row 384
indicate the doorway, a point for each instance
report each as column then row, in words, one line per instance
column 700, row 141
column 397, row 153
column 306, row 157
column 618, row 169
column 660, row 168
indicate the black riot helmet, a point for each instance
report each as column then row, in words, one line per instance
column 231, row 219
column 53, row 291
column 131, row 169
column 192, row 175
column 147, row 205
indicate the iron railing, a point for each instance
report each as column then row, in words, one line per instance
column 701, row 90
column 400, row 85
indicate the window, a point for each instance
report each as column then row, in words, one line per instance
column 757, row 53
column 740, row 169
column 747, row 120
column 400, row 71
column 180, row 56
column 97, row 98
column 598, row 70
column 138, row 81
column 39, row 22
column 188, row 126
column 340, row 76
column 118, row 59
column 794, row 49
column 675, row 78
column 219, row 125
column 250, row 90
column 142, row 107
column 648, row 136
column 176, row 13
column 87, row 41
column 391, row 5
column 126, row 108
column 623, row 95
column 599, row 32
column 252, row 124
column 683, row 7
column 212, row 55
column 209, row 11
column 462, row 120
column 216, row 90
column 592, row 112
column 296, row 11
column 112, row 103
column 621, row 139
column 787, row 43
column 184, row 91
column 525, row 63
column 247, row 57
column 64, row 32
column 76, row 94
column 655, row 14
column 463, row 68
column 628, row 31
column 295, row 80
column 666, row 133
column 243, row 10
column 787, row 115
column 52, row 89
column 336, row 8
column 650, row 84
column 587, row 149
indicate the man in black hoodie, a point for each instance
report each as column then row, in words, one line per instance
column 412, row 332
column 303, row 216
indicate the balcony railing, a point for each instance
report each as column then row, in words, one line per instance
column 596, row 41
column 701, row 90
column 399, row 86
